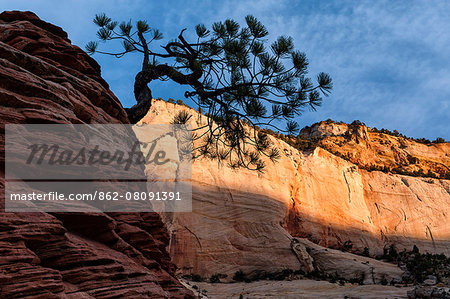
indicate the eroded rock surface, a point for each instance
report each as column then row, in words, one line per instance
column 350, row 267
column 243, row 220
column 299, row 289
column 46, row 79
column 380, row 149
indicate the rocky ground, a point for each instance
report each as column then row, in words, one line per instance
column 325, row 273
column 296, row 289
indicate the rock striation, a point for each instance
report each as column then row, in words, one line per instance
column 374, row 149
column 294, row 289
column 243, row 220
column 348, row 266
column 46, row 79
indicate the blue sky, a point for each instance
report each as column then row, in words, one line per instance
column 389, row 60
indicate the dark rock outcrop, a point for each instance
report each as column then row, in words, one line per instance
column 46, row 79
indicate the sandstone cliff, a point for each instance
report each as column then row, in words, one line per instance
column 245, row 220
column 46, row 79
column 374, row 149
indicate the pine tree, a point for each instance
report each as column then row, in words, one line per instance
column 233, row 76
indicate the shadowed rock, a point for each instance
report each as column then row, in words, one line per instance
column 244, row 220
column 46, row 79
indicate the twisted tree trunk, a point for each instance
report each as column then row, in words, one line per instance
column 143, row 94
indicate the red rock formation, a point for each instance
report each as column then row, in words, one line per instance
column 46, row 79
column 372, row 149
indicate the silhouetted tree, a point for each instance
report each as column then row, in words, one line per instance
column 233, row 77
column 439, row 140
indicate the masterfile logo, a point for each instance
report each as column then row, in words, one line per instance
column 98, row 168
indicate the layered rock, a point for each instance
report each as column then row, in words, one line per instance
column 380, row 149
column 348, row 266
column 301, row 289
column 245, row 220
column 46, row 79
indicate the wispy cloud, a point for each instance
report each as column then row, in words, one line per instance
column 389, row 59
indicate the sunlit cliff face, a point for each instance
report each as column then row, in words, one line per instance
column 241, row 215
column 374, row 149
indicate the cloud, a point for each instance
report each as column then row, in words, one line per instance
column 388, row 59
